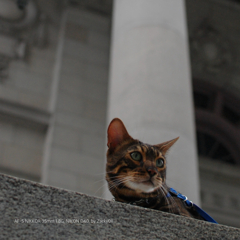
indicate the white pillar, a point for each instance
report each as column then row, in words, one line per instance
column 150, row 83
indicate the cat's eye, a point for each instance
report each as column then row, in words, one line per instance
column 160, row 162
column 136, row 156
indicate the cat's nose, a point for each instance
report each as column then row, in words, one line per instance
column 151, row 171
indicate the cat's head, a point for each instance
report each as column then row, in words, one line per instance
column 134, row 169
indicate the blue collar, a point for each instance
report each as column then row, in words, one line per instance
column 191, row 204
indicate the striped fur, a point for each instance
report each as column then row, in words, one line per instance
column 142, row 182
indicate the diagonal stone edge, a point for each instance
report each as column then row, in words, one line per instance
column 30, row 209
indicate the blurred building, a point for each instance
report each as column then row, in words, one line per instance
column 56, row 91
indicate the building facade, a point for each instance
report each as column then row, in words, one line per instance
column 166, row 68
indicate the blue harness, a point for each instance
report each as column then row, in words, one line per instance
column 191, row 204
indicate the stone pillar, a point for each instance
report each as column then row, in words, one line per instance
column 150, row 83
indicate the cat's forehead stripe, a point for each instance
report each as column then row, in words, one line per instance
column 145, row 148
column 150, row 150
column 134, row 148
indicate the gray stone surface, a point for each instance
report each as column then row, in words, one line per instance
column 30, row 210
column 77, row 128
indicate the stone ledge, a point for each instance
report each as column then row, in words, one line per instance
column 22, row 200
column 25, row 115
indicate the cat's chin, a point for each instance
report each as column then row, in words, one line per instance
column 146, row 187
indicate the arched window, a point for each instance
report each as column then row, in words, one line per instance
column 217, row 123
column 218, row 130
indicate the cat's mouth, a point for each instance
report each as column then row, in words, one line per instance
column 146, row 186
column 148, row 182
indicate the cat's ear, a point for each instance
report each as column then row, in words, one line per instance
column 117, row 133
column 164, row 147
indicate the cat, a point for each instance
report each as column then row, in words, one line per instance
column 136, row 173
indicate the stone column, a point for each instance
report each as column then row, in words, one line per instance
column 150, row 83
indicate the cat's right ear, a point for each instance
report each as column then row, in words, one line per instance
column 164, row 147
column 117, row 134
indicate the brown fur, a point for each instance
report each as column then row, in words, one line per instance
column 140, row 182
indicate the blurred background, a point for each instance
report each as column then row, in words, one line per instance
column 54, row 95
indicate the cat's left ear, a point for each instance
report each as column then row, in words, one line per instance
column 164, row 147
column 117, row 133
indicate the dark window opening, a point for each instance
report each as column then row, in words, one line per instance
column 201, row 100
column 231, row 115
column 210, row 147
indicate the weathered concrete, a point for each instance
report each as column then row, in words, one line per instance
column 33, row 211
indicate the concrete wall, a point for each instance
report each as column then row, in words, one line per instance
column 20, row 150
column 53, row 99
column 74, row 157
column 29, row 74
column 31, row 210
column 25, row 92
column 218, row 178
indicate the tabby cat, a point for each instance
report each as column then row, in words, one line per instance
column 136, row 173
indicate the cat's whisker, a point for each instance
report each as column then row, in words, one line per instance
column 123, row 180
column 104, row 192
column 103, row 185
column 170, row 198
column 109, row 172
column 127, row 179
column 114, row 177
column 166, row 198
column 161, row 193
column 118, row 183
column 102, row 173
column 101, row 180
column 110, row 187
column 97, row 174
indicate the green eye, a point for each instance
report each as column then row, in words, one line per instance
column 136, row 156
column 160, row 162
